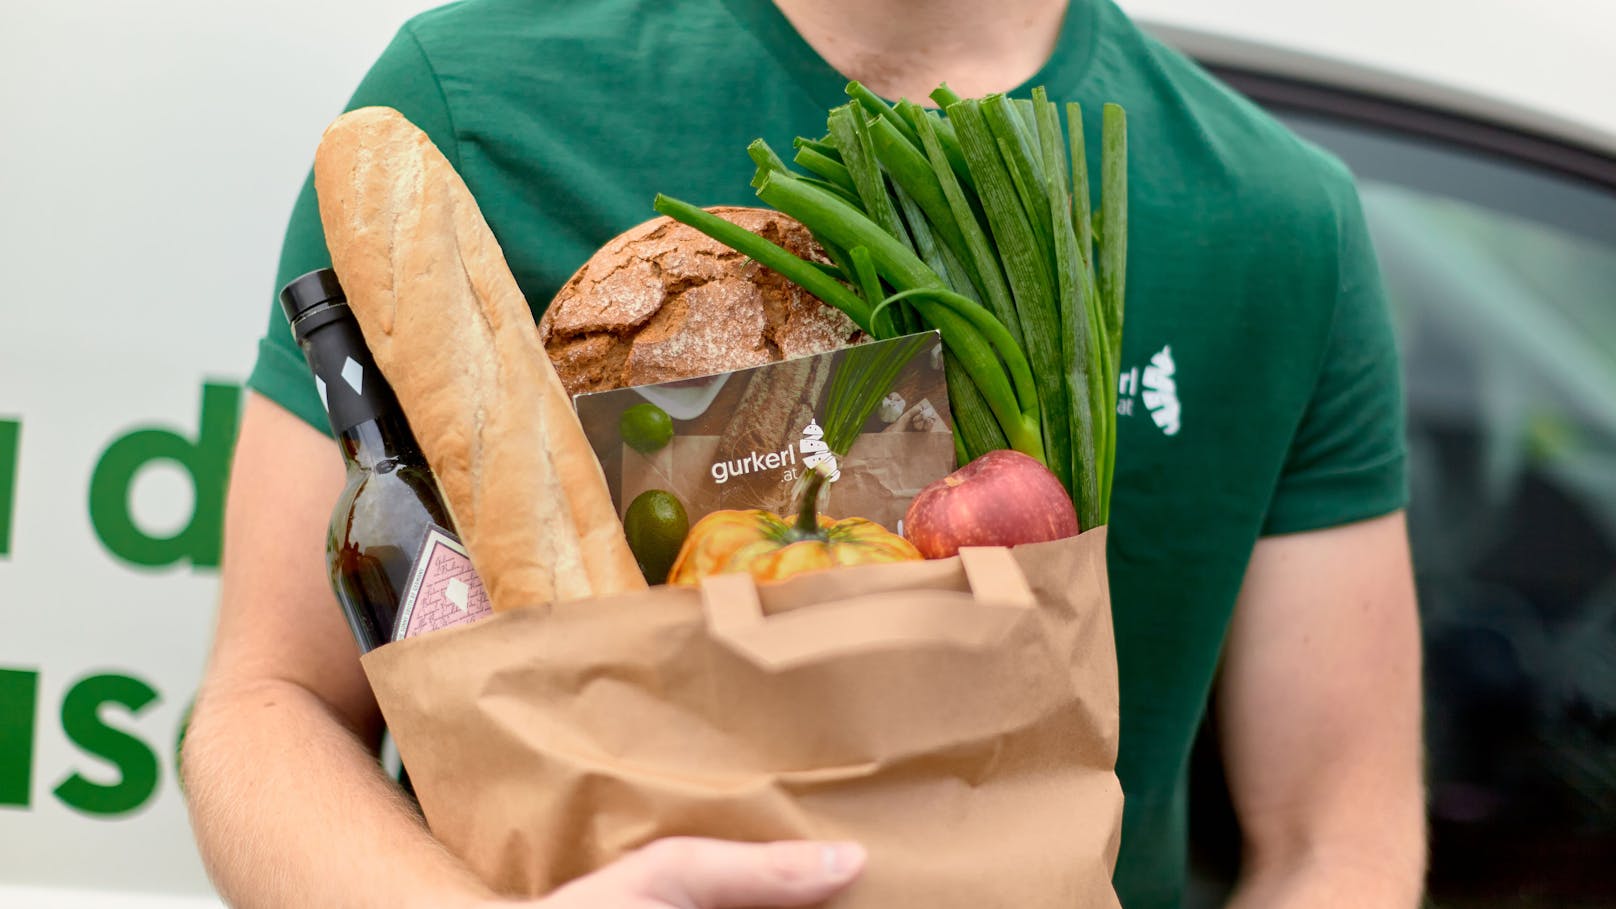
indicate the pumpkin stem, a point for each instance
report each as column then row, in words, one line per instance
column 807, row 526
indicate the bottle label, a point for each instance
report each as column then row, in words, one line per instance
column 444, row 589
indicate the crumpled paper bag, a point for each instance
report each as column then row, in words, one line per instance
column 959, row 717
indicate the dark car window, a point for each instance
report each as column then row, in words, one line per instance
column 1502, row 276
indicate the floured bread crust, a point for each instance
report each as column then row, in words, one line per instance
column 663, row 301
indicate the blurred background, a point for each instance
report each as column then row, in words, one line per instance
column 154, row 151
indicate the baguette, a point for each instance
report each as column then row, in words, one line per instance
column 442, row 313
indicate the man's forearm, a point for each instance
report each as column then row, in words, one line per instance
column 1323, row 881
column 1319, row 705
column 1361, row 845
column 290, row 809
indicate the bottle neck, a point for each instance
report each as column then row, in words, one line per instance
column 376, row 442
column 365, row 416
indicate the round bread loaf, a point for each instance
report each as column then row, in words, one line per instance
column 663, row 301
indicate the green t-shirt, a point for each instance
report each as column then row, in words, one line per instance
column 1260, row 391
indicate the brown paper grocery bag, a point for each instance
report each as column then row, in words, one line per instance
column 958, row 717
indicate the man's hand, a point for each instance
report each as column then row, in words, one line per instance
column 1319, row 702
column 685, row 873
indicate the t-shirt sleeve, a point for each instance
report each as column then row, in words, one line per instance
column 1347, row 458
column 402, row 78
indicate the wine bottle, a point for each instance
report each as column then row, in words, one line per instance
column 390, row 509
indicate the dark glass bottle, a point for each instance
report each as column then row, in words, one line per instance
column 391, row 501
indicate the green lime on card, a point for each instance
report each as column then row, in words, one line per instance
column 645, row 427
column 656, row 526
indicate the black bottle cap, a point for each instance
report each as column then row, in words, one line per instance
column 309, row 294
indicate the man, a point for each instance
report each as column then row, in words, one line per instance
column 1256, row 527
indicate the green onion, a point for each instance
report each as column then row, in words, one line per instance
column 1028, row 112
column 826, row 168
column 974, row 423
column 1023, row 164
column 992, row 331
column 993, row 290
column 769, row 255
column 852, row 135
column 898, row 265
column 1012, row 235
column 765, row 159
column 870, row 283
column 934, row 254
column 1077, row 366
column 1029, row 275
column 823, row 146
column 1081, row 219
column 969, row 226
column 913, row 174
column 829, row 271
column 873, row 103
column 827, row 186
column 1101, row 365
column 847, row 227
column 1113, row 254
column 913, row 113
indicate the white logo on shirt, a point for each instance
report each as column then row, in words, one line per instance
column 1158, row 391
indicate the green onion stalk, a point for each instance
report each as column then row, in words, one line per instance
column 977, row 222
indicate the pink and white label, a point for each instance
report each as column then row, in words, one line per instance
column 444, row 589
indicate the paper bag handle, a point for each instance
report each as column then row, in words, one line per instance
column 911, row 611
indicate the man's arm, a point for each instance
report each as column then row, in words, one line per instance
column 1319, row 703
column 288, row 800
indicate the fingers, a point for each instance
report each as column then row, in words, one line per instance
column 710, row 874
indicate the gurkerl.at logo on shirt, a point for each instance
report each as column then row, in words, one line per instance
column 1155, row 389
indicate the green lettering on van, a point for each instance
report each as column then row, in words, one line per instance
column 19, row 692
column 10, row 435
column 134, row 759
column 207, row 460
